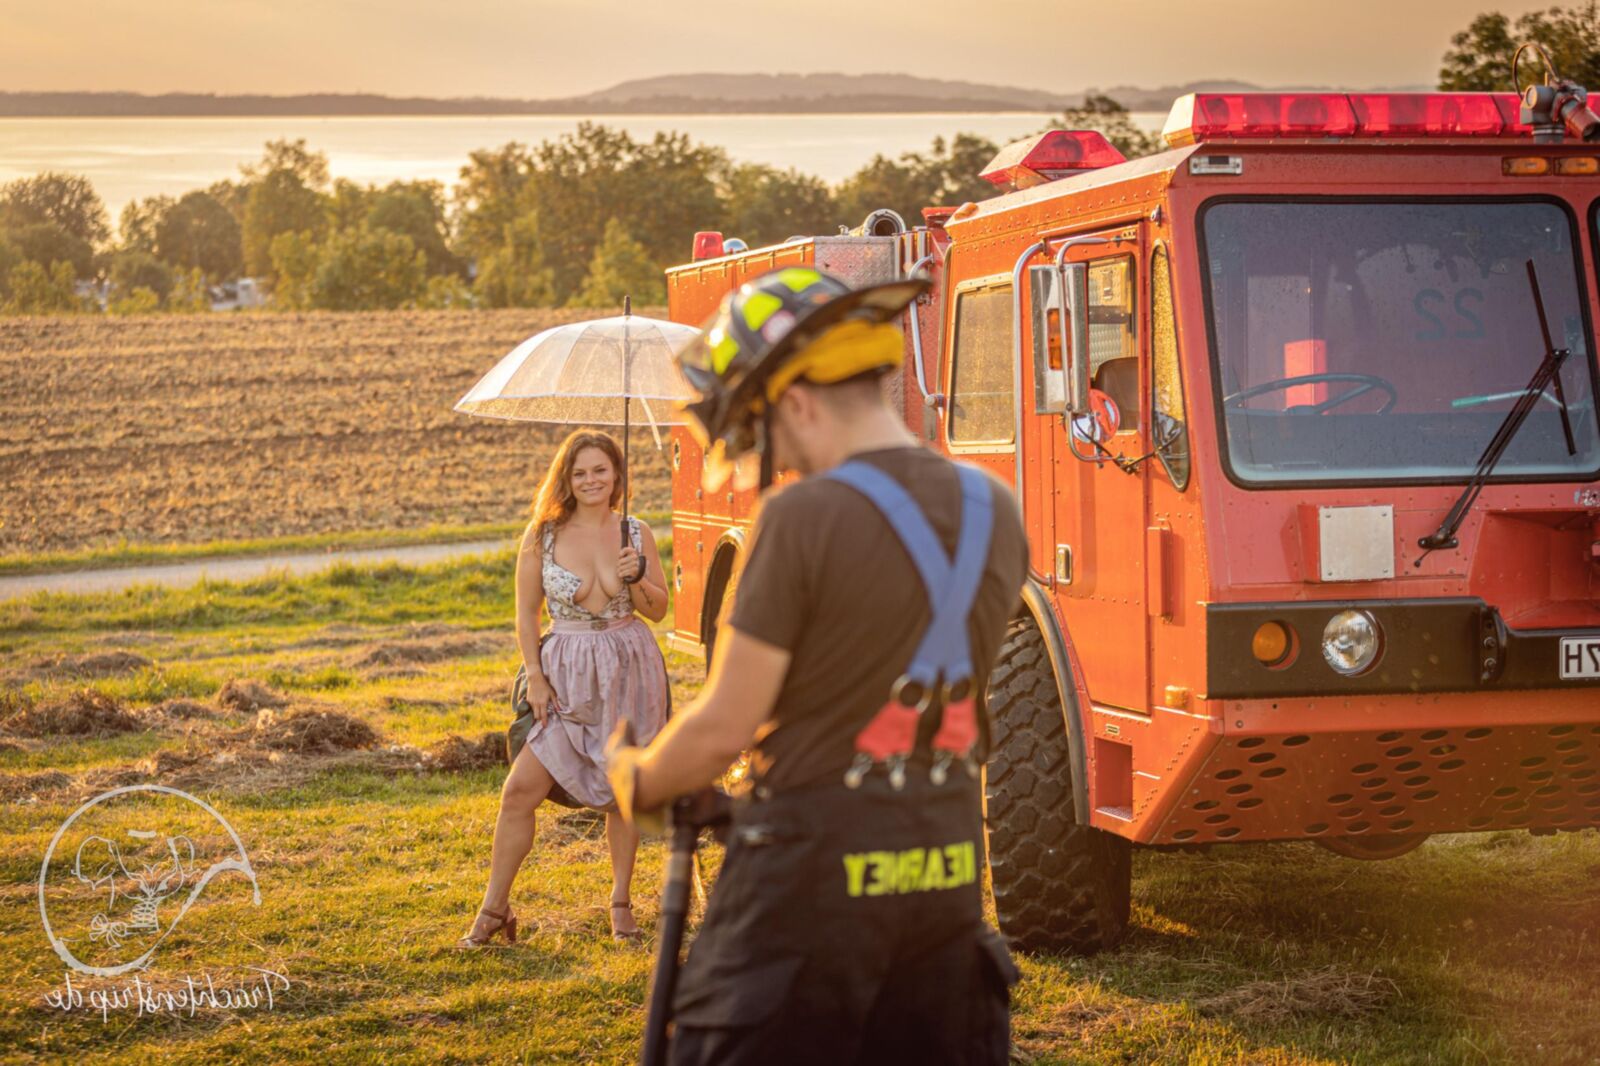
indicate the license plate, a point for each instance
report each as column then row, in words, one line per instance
column 1580, row 658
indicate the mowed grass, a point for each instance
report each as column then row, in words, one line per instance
column 1479, row 948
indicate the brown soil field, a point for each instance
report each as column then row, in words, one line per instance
column 192, row 428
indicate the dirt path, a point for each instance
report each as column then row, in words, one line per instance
column 234, row 569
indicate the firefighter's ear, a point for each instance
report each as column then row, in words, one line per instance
column 98, row 863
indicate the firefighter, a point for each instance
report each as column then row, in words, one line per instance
column 846, row 922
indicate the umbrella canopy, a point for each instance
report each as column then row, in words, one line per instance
column 605, row 372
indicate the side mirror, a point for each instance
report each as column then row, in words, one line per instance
column 1101, row 422
column 1075, row 285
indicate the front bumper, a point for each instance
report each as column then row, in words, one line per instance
column 1433, row 645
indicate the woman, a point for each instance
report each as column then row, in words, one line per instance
column 598, row 663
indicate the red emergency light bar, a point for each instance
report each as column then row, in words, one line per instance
column 1051, row 155
column 1231, row 116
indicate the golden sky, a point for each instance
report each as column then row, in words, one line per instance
column 548, row 48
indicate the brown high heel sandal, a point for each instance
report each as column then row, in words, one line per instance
column 633, row 936
column 508, row 925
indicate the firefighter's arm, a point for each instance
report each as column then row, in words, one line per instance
column 701, row 741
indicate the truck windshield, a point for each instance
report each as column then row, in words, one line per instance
column 1382, row 340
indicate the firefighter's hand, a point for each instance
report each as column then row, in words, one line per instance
column 622, row 767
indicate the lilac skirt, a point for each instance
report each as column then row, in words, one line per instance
column 600, row 676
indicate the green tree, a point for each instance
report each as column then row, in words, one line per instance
column 35, row 290
column 294, row 269
column 11, row 257
column 621, row 267
column 947, row 175
column 515, row 274
column 417, row 210
column 764, row 205
column 140, row 270
column 446, row 291
column 67, row 201
column 487, row 199
column 1105, row 115
column 368, row 269
column 47, row 243
column 1479, row 59
column 284, row 196
column 189, row 292
column 662, row 191
column 140, row 301
column 136, row 226
column 198, row 232
column 357, row 269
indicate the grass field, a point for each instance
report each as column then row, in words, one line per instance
column 368, row 821
column 196, row 428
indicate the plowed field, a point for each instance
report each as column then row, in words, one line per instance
column 209, row 427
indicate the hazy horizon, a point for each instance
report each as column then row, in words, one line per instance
column 540, row 49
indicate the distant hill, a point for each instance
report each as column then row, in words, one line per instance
column 783, row 89
column 669, row 94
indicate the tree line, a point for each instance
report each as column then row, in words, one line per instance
column 581, row 220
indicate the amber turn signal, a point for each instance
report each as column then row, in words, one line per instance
column 1271, row 644
column 1525, row 166
column 1578, row 164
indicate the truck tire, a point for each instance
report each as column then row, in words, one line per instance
column 1058, row 885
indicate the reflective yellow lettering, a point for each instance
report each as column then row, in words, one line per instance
column 882, row 872
column 953, row 863
column 933, row 875
column 855, row 869
column 909, row 874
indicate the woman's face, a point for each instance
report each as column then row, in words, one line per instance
column 593, row 477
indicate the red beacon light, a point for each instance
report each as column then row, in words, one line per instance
column 1236, row 116
column 1228, row 116
column 1051, row 155
column 1428, row 115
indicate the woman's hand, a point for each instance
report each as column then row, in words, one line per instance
column 540, row 696
column 627, row 565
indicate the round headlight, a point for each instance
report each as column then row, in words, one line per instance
column 1350, row 642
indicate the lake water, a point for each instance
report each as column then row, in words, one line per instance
column 131, row 158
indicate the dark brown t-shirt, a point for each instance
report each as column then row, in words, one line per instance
column 827, row 580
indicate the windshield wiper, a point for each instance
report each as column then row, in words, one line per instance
column 1549, row 372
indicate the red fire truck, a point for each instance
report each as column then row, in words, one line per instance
column 1309, row 475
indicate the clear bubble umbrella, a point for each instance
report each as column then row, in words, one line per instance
column 605, row 372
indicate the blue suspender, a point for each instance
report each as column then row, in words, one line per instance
column 942, row 663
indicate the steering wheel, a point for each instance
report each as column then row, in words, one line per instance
column 1364, row 383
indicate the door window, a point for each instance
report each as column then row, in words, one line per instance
column 1168, row 428
column 982, row 389
column 1113, row 336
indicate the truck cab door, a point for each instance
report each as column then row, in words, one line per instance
column 1097, row 514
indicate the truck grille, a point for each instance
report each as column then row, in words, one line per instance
column 1308, row 785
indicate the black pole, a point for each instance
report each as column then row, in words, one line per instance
column 674, row 914
column 627, row 406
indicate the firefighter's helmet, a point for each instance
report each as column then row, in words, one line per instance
column 765, row 336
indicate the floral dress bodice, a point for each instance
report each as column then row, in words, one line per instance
column 561, row 585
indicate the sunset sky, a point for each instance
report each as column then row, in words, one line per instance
column 548, row 48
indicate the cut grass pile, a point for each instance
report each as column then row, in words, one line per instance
column 348, row 726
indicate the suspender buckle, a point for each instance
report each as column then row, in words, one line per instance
column 912, row 693
column 859, row 766
column 897, row 771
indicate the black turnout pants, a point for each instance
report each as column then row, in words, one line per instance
column 846, row 926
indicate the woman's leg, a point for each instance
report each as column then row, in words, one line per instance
column 623, row 840
column 526, row 786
